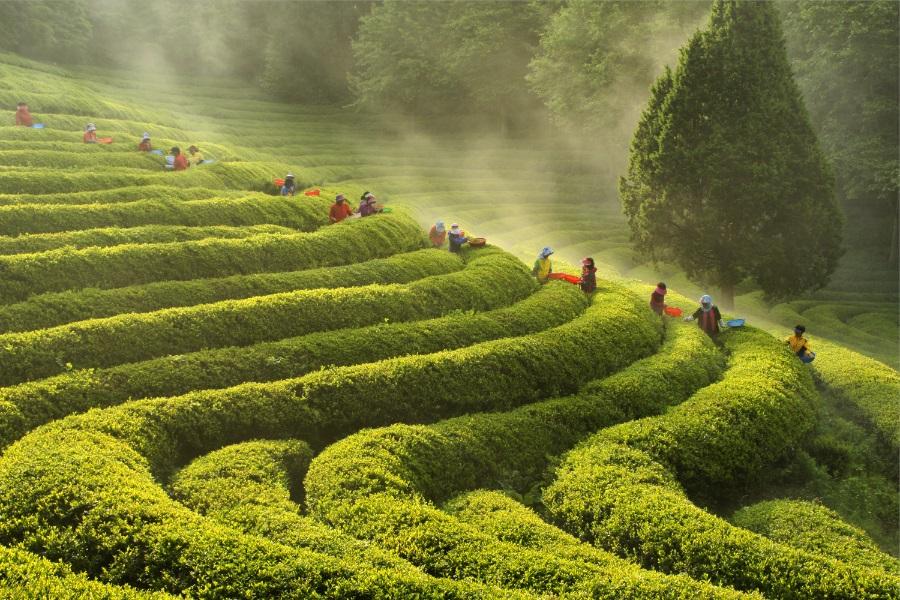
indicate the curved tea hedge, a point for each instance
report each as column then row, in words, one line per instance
column 248, row 486
column 160, row 192
column 622, row 489
column 255, row 209
column 25, row 575
column 30, row 404
column 57, row 308
column 814, row 528
column 865, row 383
column 374, row 484
column 113, row 236
column 488, row 281
column 24, row 275
column 127, row 530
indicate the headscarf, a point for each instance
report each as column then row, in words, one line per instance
column 339, row 198
column 661, row 290
column 439, row 227
column 454, row 229
column 705, row 302
column 146, row 136
column 545, row 252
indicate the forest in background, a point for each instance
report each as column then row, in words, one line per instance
column 577, row 70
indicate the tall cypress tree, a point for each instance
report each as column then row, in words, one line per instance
column 726, row 178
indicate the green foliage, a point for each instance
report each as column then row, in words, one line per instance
column 429, row 58
column 57, row 308
column 23, row 275
column 845, row 55
column 129, row 531
column 114, row 236
column 726, row 177
column 26, row 575
column 27, row 405
column 305, row 215
column 597, row 59
column 622, row 489
column 814, row 528
column 870, row 386
column 132, row 337
column 374, row 484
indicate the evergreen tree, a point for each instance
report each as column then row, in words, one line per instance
column 726, row 177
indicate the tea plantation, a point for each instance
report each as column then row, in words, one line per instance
column 208, row 391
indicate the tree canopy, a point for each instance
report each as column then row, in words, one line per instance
column 847, row 59
column 726, row 177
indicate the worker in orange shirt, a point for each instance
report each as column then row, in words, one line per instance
column 340, row 210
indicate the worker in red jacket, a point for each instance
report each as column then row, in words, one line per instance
column 340, row 210
column 23, row 117
column 180, row 163
column 90, row 134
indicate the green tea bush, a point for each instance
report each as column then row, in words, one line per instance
column 114, row 236
column 872, row 387
column 248, row 486
column 375, row 484
column 255, row 209
column 505, row 519
column 622, row 488
column 57, row 308
column 27, row 274
column 489, row 281
column 25, row 575
column 161, row 193
column 812, row 527
column 30, row 404
column 54, row 159
column 128, row 531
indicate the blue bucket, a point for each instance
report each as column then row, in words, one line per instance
column 37, row 126
column 735, row 323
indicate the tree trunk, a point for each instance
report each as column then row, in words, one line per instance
column 726, row 299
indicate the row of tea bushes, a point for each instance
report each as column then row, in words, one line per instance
column 248, row 486
column 375, row 484
column 26, row 576
column 56, row 308
column 109, row 519
column 814, row 528
column 307, row 214
column 622, row 489
column 162, row 193
column 489, row 281
column 24, row 275
column 146, row 234
column 27, row 405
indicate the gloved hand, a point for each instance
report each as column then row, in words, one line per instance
column 688, row 319
column 723, row 324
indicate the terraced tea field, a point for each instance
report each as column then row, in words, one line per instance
column 208, row 391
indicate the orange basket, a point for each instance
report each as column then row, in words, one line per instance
column 575, row 279
column 477, row 242
column 673, row 311
column 279, row 182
